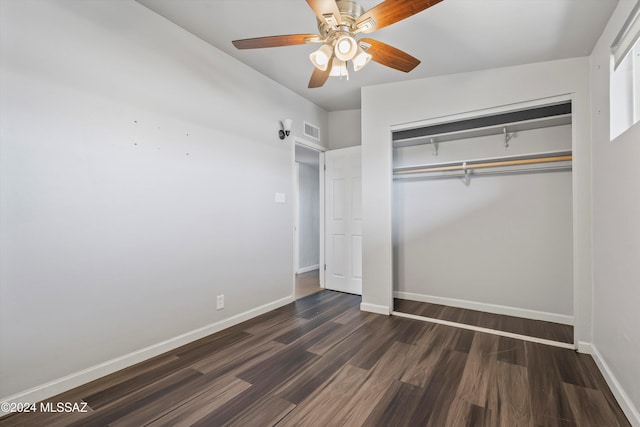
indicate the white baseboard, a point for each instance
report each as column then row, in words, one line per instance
column 60, row 385
column 584, row 347
column 375, row 308
column 488, row 308
column 307, row 269
column 621, row 396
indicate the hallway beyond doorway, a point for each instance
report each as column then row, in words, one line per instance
column 307, row 283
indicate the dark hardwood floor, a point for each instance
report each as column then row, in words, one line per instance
column 322, row 362
column 517, row 325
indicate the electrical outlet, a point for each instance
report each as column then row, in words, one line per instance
column 220, row 302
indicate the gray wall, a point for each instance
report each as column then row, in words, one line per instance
column 503, row 240
column 344, row 129
column 138, row 173
column 309, row 215
column 616, row 232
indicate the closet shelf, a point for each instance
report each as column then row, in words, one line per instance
column 515, row 121
column 546, row 157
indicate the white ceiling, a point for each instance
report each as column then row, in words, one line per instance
column 453, row 36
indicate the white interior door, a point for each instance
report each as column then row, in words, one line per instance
column 343, row 216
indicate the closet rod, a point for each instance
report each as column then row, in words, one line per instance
column 465, row 166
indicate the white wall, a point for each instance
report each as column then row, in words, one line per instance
column 503, row 240
column 386, row 106
column 344, row 129
column 616, row 233
column 309, row 216
column 138, row 171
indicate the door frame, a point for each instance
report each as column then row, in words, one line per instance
column 294, row 171
column 296, row 217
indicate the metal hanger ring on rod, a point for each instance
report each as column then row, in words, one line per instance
column 507, row 137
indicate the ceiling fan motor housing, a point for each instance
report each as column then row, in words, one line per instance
column 349, row 12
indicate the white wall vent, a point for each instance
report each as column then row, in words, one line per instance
column 311, row 131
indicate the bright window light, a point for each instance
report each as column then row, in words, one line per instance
column 625, row 76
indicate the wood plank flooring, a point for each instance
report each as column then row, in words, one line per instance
column 322, row 362
column 307, row 283
column 517, row 325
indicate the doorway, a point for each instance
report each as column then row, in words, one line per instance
column 307, row 220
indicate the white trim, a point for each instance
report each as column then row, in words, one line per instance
column 308, row 269
column 294, row 207
column 489, row 308
column 68, row 382
column 584, row 347
column 296, row 216
column 375, row 308
column 322, row 216
column 621, row 396
column 486, row 330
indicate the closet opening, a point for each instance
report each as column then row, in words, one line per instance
column 483, row 223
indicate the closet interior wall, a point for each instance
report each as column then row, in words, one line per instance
column 503, row 241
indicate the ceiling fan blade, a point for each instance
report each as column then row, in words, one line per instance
column 276, row 41
column 389, row 12
column 319, row 77
column 388, row 55
column 326, row 10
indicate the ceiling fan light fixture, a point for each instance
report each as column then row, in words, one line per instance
column 361, row 59
column 346, row 47
column 339, row 69
column 321, row 57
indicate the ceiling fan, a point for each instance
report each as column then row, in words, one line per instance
column 339, row 22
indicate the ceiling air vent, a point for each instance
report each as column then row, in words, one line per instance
column 311, row 131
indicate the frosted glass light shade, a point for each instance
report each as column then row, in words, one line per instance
column 346, row 47
column 361, row 59
column 320, row 58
